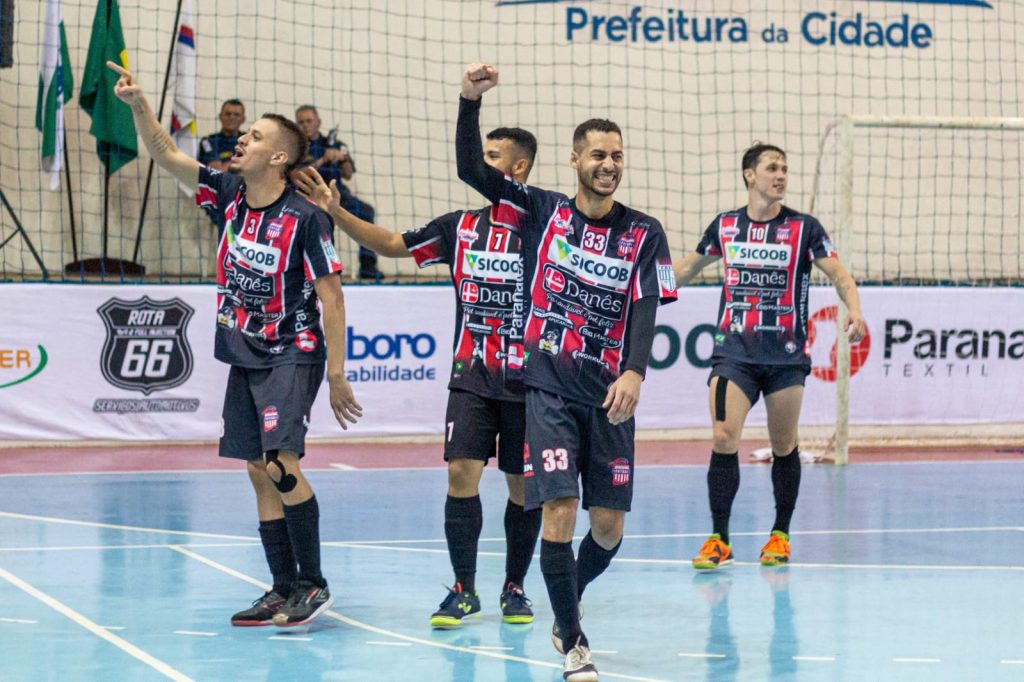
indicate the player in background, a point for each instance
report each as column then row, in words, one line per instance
column 485, row 400
column 275, row 263
column 759, row 345
column 594, row 271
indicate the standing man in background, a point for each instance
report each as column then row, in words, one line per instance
column 760, row 342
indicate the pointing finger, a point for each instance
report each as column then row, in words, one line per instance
column 120, row 69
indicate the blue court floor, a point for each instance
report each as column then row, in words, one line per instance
column 902, row 571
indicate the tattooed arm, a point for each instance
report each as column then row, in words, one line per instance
column 157, row 140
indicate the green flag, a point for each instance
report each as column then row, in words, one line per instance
column 112, row 123
column 55, row 84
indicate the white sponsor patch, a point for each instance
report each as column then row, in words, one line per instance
column 763, row 255
column 256, row 256
column 489, row 265
column 590, row 267
column 329, row 253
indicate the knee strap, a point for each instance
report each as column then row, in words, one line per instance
column 288, row 481
column 720, row 399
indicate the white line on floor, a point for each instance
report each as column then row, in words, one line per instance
column 19, row 621
column 389, row 633
column 815, row 658
column 481, row 647
column 193, row 633
column 688, row 655
column 112, row 627
column 282, row 638
column 72, row 548
column 378, row 643
column 132, row 529
column 1010, row 661
column 92, row 627
column 606, row 652
column 917, row 660
column 343, row 467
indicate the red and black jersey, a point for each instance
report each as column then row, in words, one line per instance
column 267, row 259
column 483, row 257
column 762, row 316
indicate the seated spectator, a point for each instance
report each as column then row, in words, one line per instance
column 331, row 159
column 216, row 150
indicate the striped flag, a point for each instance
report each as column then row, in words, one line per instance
column 183, row 113
column 55, row 84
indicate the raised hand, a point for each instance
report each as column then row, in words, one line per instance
column 478, row 79
column 311, row 184
column 127, row 89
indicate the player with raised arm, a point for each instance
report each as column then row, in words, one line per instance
column 594, row 271
column 759, row 345
column 485, row 400
column 275, row 262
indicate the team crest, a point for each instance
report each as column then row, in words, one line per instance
column 269, row 419
column 626, row 244
column 620, row 471
column 666, row 278
column 146, row 348
column 274, row 228
column 782, row 234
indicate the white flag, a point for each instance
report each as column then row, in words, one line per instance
column 54, row 90
column 183, row 113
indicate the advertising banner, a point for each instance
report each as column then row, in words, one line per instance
column 94, row 362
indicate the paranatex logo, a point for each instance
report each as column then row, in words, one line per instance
column 389, row 357
column 676, row 23
column 18, row 364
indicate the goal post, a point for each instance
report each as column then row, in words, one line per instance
column 854, row 183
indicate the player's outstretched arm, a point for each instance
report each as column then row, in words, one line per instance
column 690, row 266
column 332, row 302
column 469, row 151
column 328, row 197
column 157, row 140
column 842, row 280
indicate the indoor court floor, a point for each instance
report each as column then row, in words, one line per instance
column 125, row 564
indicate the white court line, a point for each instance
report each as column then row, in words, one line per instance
column 380, row 545
column 917, row 660
column 193, row 633
column 19, row 621
column 112, row 627
column 73, row 548
column 132, row 529
column 282, row 638
column 92, row 627
column 396, row 635
column 377, row 643
column 688, row 655
column 826, row 659
column 1010, row 661
column 344, row 467
column 481, row 647
column 607, row 652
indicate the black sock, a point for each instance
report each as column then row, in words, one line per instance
column 592, row 561
column 521, row 530
column 723, row 482
column 463, row 519
column 304, row 530
column 559, row 568
column 278, row 549
column 786, row 485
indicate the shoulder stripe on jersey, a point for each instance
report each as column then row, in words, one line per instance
column 422, row 245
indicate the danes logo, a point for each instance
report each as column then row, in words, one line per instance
column 858, row 351
column 554, row 280
column 470, row 292
column 146, row 347
column 306, row 341
column 764, row 255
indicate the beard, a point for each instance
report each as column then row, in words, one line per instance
column 587, row 182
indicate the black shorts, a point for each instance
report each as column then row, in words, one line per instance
column 754, row 380
column 473, row 422
column 268, row 409
column 567, row 443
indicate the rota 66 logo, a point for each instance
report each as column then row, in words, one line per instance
column 858, row 351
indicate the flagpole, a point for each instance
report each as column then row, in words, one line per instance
column 24, row 235
column 159, row 117
column 71, row 202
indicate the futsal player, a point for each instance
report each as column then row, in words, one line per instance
column 594, row 271
column 276, row 269
column 760, row 343
column 485, row 399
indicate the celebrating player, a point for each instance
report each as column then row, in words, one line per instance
column 485, row 399
column 759, row 345
column 594, row 272
column 275, row 261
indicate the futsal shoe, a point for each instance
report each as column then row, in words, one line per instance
column 261, row 612
column 515, row 607
column 456, row 607
column 556, row 632
column 713, row 554
column 776, row 551
column 307, row 601
column 578, row 665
